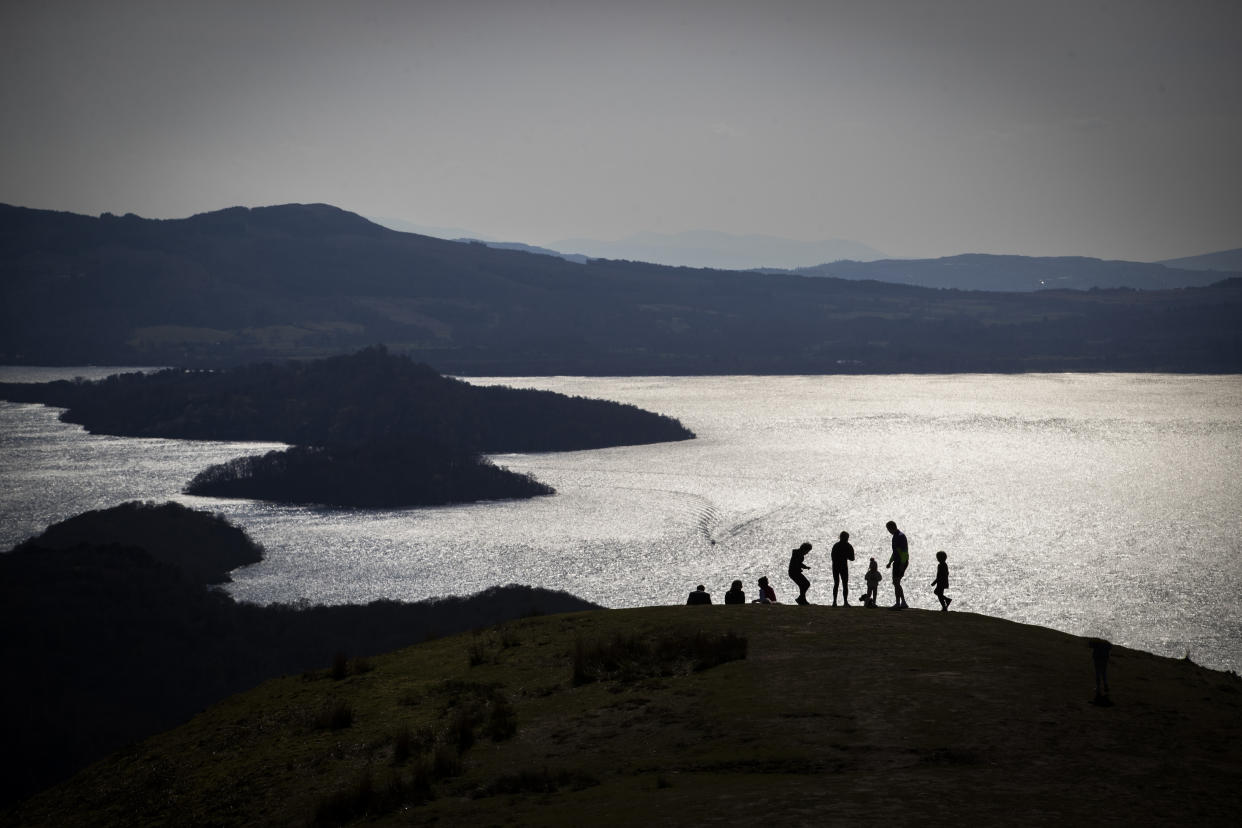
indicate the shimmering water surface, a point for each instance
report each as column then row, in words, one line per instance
column 1096, row 504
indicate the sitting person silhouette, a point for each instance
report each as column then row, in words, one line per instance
column 735, row 594
column 699, row 596
column 767, row 595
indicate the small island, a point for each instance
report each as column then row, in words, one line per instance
column 370, row 429
column 365, row 477
column 203, row 546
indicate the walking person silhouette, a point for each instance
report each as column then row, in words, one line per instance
column 842, row 553
column 941, row 583
column 899, row 560
column 795, row 572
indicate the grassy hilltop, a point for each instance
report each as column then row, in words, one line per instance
column 832, row 715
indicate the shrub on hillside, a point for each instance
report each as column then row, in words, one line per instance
column 633, row 657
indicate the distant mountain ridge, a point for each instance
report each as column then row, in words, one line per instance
column 711, row 249
column 577, row 258
column 297, row 281
column 979, row 271
column 851, row 260
column 1226, row 260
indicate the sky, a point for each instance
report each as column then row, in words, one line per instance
column 1057, row 127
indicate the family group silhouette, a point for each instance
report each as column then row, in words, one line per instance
column 841, row 555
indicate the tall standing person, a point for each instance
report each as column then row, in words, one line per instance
column 898, row 562
column 796, row 566
column 842, row 554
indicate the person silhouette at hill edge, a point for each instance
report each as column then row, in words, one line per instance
column 767, row 595
column 941, row 583
column 899, row 560
column 1100, row 650
column 842, row 553
column 873, row 579
column 795, row 572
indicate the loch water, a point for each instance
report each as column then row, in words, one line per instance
column 1097, row 504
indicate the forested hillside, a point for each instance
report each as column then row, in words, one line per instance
column 242, row 284
column 116, row 636
column 370, row 429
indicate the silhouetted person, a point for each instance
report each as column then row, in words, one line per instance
column 842, row 553
column 699, row 596
column 873, row 577
column 1100, row 650
column 795, row 572
column 899, row 560
column 735, row 594
column 941, row 583
column 767, row 595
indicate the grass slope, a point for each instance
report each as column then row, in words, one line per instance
column 844, row 715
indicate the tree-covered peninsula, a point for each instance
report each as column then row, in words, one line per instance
column 371, row 429
column 113, row 633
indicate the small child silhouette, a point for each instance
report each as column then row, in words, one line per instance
column 873, row 578
column 942, row 581
column 767, row 595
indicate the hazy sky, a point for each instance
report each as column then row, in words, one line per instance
column 921, row 128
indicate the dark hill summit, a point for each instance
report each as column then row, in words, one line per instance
column 722, row 715
column 111, row 642
column 242, row 284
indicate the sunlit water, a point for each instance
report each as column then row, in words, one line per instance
column 1095, row 504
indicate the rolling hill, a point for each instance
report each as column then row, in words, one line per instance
column 1222, row 260
column 751, row 714
column 241, row 285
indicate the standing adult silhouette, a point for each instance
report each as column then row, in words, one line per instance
column 898, row 561
column 842, row 554
column 1100, row 650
